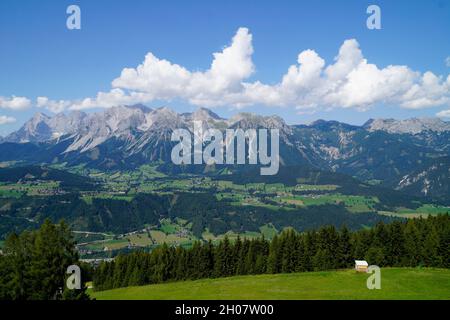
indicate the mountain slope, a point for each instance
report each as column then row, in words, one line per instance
column 433, row 178
column 382, row 151
column 413, row 125
column 67, row 180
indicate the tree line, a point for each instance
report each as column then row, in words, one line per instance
column 416, row 242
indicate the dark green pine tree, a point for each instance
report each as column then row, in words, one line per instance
column 326, row 256
column 413, row 250
column 442, row 225
column 375, row 256
column 137, row 276
column 101, row 275
column 120, row 267
column 223, row 261
column 242, row 267
column 362, row 243
column 53, row 251
column 394, row 244
column 236, row 251
column 181, row 272
column 308, row 248
column 250, row 259
column 430, row 249
column 261, row 256
column 300, row 245
column 208, row 253
column 36, row 262
column 273, row 261
column 288, row 252
column 344, row 249
column 321, row 260
column 17, row 261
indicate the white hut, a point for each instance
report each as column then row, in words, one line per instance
column 361, row 265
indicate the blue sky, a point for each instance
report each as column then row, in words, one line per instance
column 40, row 57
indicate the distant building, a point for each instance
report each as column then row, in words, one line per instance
column 361, row 265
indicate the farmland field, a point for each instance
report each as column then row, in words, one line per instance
column 110, row 203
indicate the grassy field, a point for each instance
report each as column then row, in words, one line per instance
column 396, row 283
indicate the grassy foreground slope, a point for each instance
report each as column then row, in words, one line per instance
column 396, row 283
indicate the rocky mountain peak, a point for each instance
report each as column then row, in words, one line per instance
column 246, row 120
column 35, row 129
column 411, row 126
column 327, row 125
column 205, row 114
column 141, row 107
column 38, row 117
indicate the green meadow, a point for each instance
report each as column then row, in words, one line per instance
column 396, row 284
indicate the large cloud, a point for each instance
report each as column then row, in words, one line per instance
column 53, row 106
column 6, row 119
column 444, row 114
column 115, row 97
column 15, row 103
column 163, row 80
column 349, row 81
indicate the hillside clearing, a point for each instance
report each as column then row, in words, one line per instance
column 396, row 283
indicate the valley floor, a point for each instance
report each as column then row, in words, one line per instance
column 396, row 283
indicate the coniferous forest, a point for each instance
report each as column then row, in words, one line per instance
column 33, row 265
column 412, row 243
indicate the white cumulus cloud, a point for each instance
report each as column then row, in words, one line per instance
column 350, row 81
column 52, row 105
column 443, row 114
column 163, row 80
column 6, row 120
column 115, row 97
column 15, row 103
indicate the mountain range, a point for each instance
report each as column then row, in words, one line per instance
column 410, row 155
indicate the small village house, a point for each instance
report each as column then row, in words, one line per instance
column 361, row 265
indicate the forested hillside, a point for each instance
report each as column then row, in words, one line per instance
column 417, row 242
